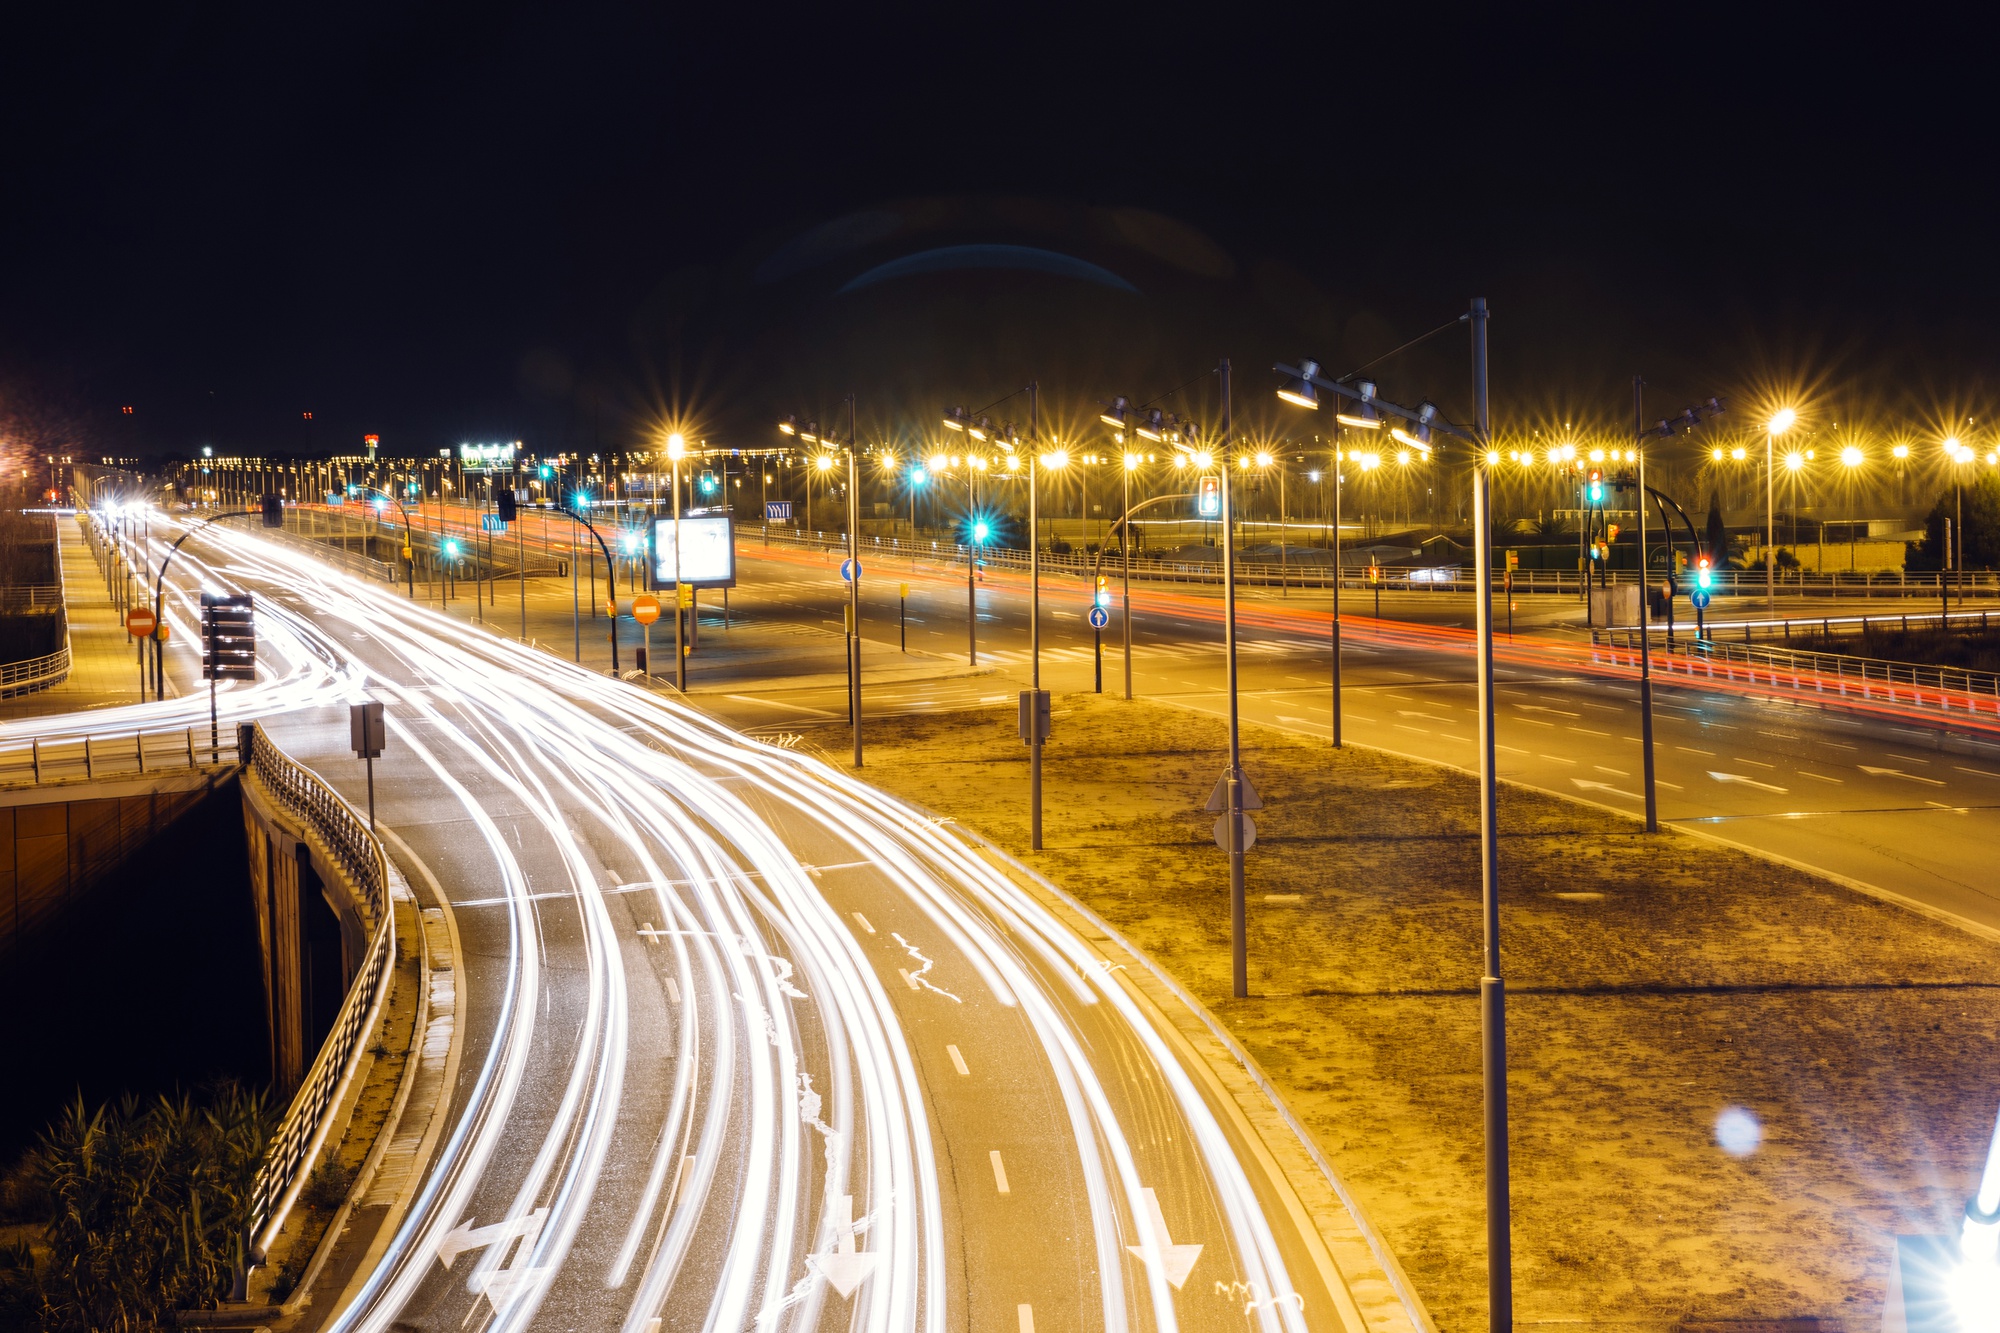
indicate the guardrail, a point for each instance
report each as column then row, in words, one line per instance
column 1782, row 627
column 304, row 1129
column 31, row 597
column 1869, row 679
column 127, row 755
column 37, row 673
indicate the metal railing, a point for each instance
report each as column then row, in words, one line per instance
column 1865, row 678
column 37, row 673
column 1783, row 627
column 30, row 597
column 299, row 1137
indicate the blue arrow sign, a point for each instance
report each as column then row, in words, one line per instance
column 1700, row 599
column 1099, row 617
column 848, row 569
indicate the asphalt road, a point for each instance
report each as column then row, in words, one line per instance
column 1900, row 800
column 746, row 1044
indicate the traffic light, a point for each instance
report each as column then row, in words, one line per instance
column 274, row 510
column 1596, row 486
column 504, row 504
column 1704, row 571
column 1610, row 534
column 1680, row 562
column 1208, row 498
column 1104, row 590
column 547, row 472
column 708, row 483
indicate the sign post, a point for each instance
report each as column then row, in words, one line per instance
column 229, row 649
column 139, row 625
column 366, row 731
column 646, row 610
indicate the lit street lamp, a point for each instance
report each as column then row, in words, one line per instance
column 1780, row 422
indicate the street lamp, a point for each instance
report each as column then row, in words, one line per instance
column 1362, row 410
column 1781, row 421
column 676, row 451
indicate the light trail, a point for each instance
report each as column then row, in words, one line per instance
column 791, row 1079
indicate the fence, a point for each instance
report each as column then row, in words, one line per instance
column 1866, row 678
column 130, row 754
column 306, row 1124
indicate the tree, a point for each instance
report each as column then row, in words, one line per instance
column 1714, row 535
column 1981, row 539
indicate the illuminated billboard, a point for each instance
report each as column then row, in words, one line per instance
column 707, row 551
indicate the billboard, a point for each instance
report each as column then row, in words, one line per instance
column 707, row 551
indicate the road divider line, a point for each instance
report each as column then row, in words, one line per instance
column 999, row 1174
column 1026, row 1314
column 957, row 1061
column 862, row 921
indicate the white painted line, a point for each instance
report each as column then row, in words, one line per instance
column 1976, row 772
column 1588, row 732
column 1615, row 772
column 1820, row 777
column 1689, row 749
column 908, row 980
column 1556, row 758
column 673, row 990
column 958, row 1061
column 646, row 929
column 862, row 921
column 999, row 1172
column 1756, row 763
column 1508, row 748
column 1027, row 1314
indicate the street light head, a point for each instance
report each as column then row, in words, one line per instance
column 1132, row 462
column 1794, row 461
column 677, row 444
column 824, row 462
column 1739, row 453
column 1492, row 458
column 1298, row 389
column 1362, row 415
column 980, row 429
column 1900, row 452
column 938, row 463
column 1782, row 420
column 1114, row 415
column 789, row 426
column 1263, row 460
column 955, row 419
column 1152, row 426
column 1203, row 459
column 1597, row 455
column 1055, row 460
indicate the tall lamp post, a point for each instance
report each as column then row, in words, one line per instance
column 1492, row 987
column 676, row 451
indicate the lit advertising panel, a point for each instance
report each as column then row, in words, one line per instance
column 707, row 551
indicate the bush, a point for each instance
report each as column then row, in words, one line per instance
column 326, row 1188
column 146, row 1209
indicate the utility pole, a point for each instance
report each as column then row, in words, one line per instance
column 1336, row 582
column 1645, row 614
column 854, row 581
column 1034, row 613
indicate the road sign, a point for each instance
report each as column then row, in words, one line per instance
column 365, row 729
column 1034, row 708
column 229, row 641
column 645, row 608
column 1222, row 832
column 1099, row 617
column 778, row 511
column 1218, row 800
column 139, row 621
column 492, row 523
column 1700, row 599
column 848, row 569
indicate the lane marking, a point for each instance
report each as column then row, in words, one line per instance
column 1976, row 772
column 652, row 936
column 862, row 921
column 1027, row 1316
column 673, row 990
column 1560, row 760
column 1955, row 809
column 1588, row 732
column 1689, row 749
column 1875, row 772
column 1820, row 777
column 1742, row 781
column 999, row 1172
column 1615, row 772
column 957, row 1061
column 1758, row 763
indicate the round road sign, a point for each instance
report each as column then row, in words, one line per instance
column 1222, row 831
column 1099, row 617
column 1700, row 599
column 848, row 569
column 645, row 608
column 139, row 621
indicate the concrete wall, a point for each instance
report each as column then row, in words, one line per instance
column 59, row 841
column 309, row 928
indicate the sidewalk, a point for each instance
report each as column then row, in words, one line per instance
column 104, row 664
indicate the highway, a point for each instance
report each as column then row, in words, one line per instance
column 746, row 1043
column 1898, row 800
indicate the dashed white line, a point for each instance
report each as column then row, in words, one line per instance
column 862, row 921
column 957, row 1061
column 999, row 1172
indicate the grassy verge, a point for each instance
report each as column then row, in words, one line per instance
column 1656, row 983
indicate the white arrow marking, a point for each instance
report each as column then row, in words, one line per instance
column 1176, row 1261
column 844, row 1269
column 1874, row 772
column 1740, row 780
column 465, row 1237
column 1589, row 785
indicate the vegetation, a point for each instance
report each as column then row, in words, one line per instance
column 1980, row 541
column 145, row 1208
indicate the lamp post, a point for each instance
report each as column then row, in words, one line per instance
column 853, row 581
column 677, row 450
column 1302, row 387
column 1780, row 422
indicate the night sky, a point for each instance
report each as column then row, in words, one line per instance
column 567, row 224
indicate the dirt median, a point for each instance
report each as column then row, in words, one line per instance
column 1666, row 996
